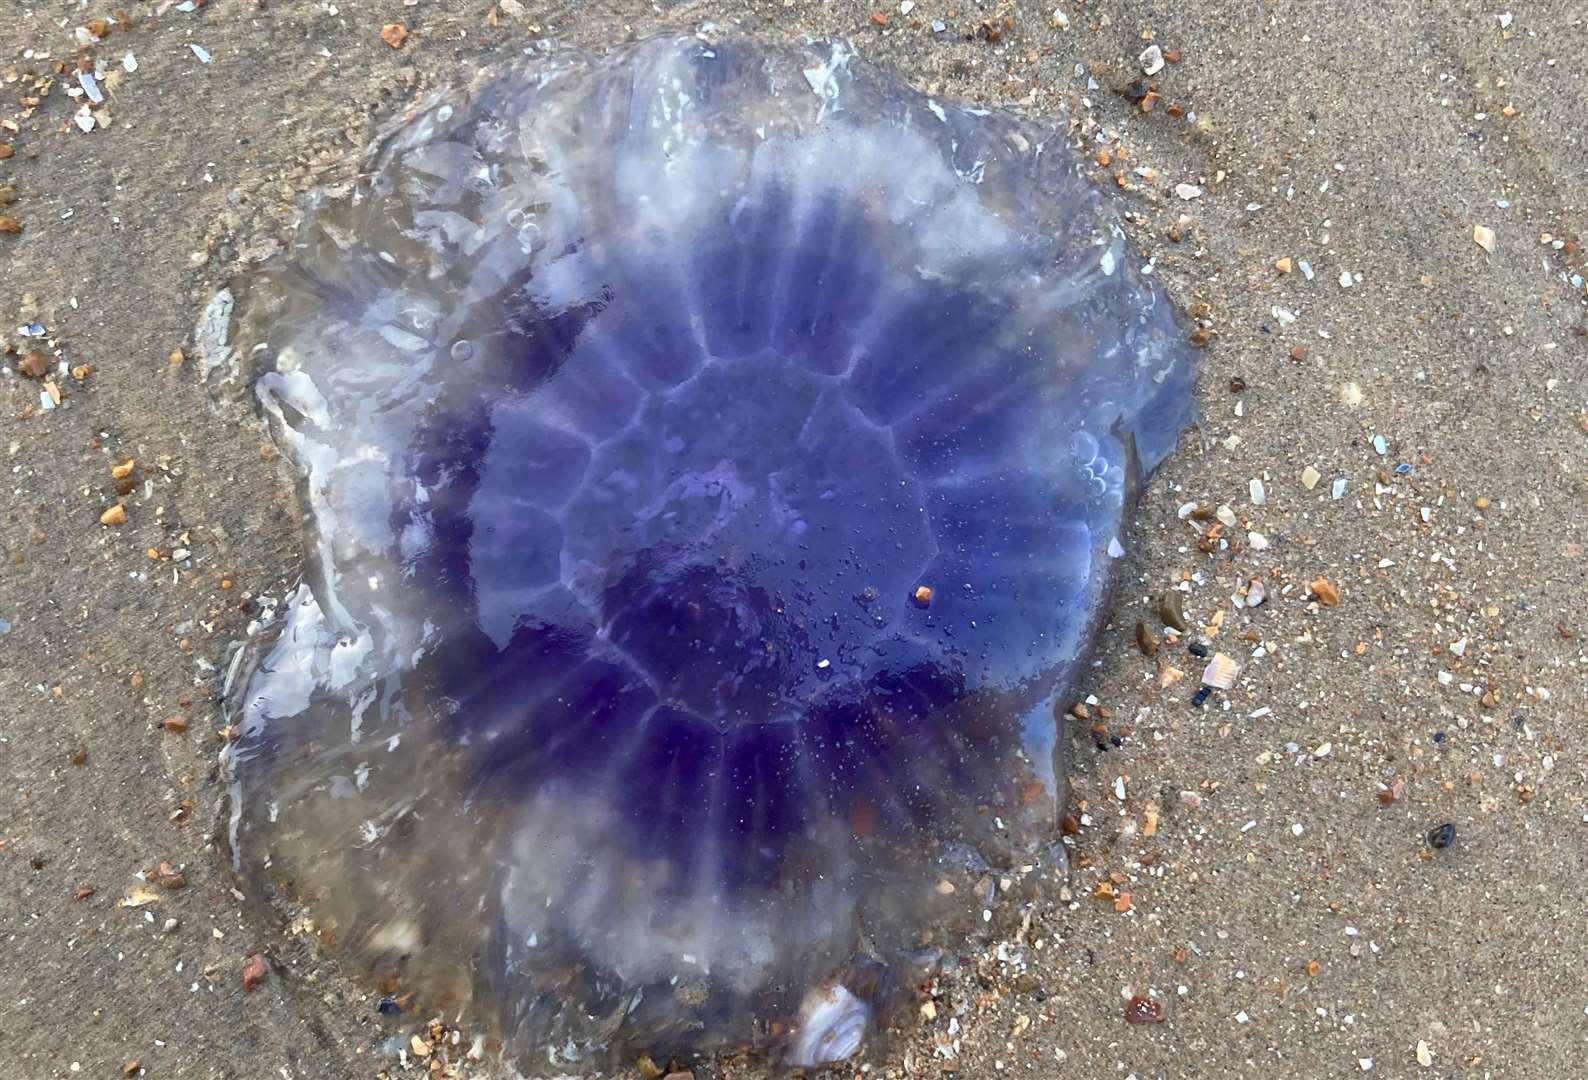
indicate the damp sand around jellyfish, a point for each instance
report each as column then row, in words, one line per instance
column 712, row 460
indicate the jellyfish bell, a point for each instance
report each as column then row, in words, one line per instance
column 712, row 459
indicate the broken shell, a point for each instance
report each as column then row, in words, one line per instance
column 1256, row 592
column 1151, row 60
column 1220, row 672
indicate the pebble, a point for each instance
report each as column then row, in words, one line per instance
column 1143, row 1010
column 254, row 972
column 1169, row 611
column 116, row 515
column 1145, row 640
column 1483, row 236
column 1310, row 477
column 1425, row 1056
column 1259, row 495
column 1442, row 836
column 1325, row 591
column 1151, row 59
column 1256, row 592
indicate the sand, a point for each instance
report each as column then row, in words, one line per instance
column 1289, row 919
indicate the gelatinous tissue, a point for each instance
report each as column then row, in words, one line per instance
column 711, row 460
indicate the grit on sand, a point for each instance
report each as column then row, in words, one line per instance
column 1260, row 866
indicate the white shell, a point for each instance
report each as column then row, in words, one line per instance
column 1220, row 672
column 832, row 1026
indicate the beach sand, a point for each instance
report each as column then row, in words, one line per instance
column 1284, row 905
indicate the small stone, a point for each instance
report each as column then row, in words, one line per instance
column 1256, row 592
column 254, row 972
column 1145, row 640
column 1188, row 191
column 175, row 724
column 1258, row 493
column 1310, row 477
column 419, row 1047
column 1151, row 60
column 116, row 515
column 1483, row 236
column 10, row 225
column 1325, row 591
column 1143, row 1010
column 1425, row 1056
column 1480, row 503
column 35, row 365
column 1284, row 265
column 131, row 1068
column 922, row 596
column 1442, row 836
column 682, row 1074
column 8, row 195
column 122, row 471
column 394, row 34
column 1169, row 611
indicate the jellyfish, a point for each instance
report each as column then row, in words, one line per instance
column 712, row 459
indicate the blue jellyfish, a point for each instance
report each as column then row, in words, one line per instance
column 711, row 462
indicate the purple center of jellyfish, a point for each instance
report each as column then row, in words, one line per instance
column 682, row 554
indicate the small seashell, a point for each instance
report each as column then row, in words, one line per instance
column 1151, row 59
column 1256, row 592
column 1220, row 672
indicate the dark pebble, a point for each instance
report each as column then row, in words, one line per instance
column 1196, row 648
column 1200, row 697
column 1443, row 836
column 1169, row 611
column 389, row 1007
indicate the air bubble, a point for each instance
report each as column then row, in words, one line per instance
column 462, row 350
